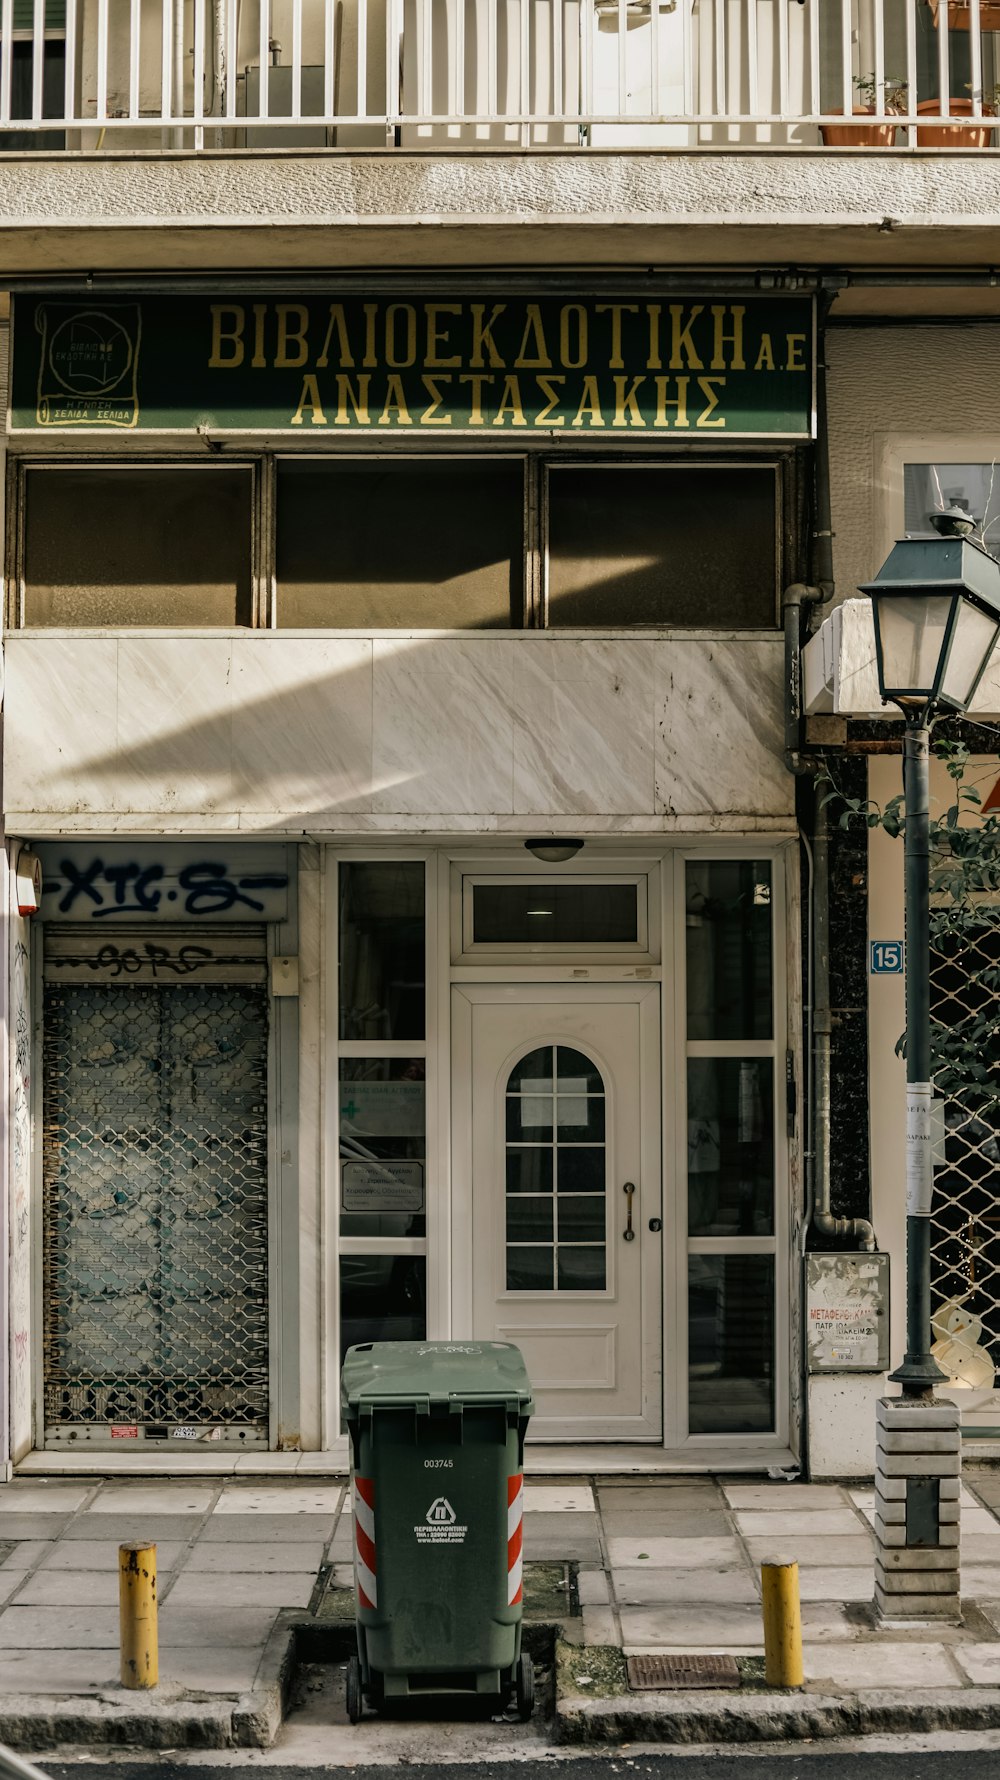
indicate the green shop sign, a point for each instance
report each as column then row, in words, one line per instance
column 237, row 364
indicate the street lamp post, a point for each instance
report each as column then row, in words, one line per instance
column 936, row 607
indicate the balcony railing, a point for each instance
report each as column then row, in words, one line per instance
column 148, row 75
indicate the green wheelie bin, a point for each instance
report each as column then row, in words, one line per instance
column 437, row 1456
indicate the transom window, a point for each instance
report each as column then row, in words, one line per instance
column 556, row 1168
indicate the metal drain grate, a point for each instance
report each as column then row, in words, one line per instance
column 646, row 1672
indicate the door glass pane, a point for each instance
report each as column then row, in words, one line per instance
column 686, row 545
column 555, row 914
column 530, row 1170
column 379, row 545
column 382, row 1298
column 728, row 932
column 731, row 1344
column 581, row 1269
column 382, row 1146
column 730, row 1146
column 544, row 1132
column 382, row 967
column 118, row 547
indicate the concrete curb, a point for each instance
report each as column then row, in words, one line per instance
column 761, row 1717
column 158, row 1721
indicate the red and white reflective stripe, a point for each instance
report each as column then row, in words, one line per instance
column 364, row 1541
column 515, row 1513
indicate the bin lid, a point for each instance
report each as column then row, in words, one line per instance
column 401, row 1372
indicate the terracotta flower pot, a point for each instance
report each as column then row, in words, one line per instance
column 880, row 135
column 951, row 135
column 960, row 14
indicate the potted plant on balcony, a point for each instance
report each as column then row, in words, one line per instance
column 972, row 135
column 875, row 134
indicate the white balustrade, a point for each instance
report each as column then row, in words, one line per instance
column 258, row 74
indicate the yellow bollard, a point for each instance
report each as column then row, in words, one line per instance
column 140, row 1659
column 782, row 1625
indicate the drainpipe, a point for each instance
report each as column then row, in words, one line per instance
column 179, row 69
column 219, row 57
column 858, row 1230
column 796, row 598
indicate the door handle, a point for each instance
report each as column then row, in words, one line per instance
column 629, row 1190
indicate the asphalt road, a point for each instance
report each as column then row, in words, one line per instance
column 792, row 1762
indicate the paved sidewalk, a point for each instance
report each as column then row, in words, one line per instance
column 657, row 1565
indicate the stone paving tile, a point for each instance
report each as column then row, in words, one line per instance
column 42, row 1498
column 837, row 1549
column 979, row 1520
column 342, row 1543
column 223, row 1669
column 34, row 1526
column 281, row 1588
column 562, row 1536
column 658, row 1498
column 703, row 1627
column 9, row 1581
column 981, row 1582
column 259, row 1527
column 160, row 1498
column 291, row 1500
column 70, row 1588
column 218, row 1625
column 981, row 1662
column 637, row 1588
column 785, row 1495
column 28, row 1552
column 684, row 1553
column 856, row 1583
column 545, row 1498
column 58, row 1671
column 979, row 1548
column 59, row 1628
column 133, row 1526
column 635, row 1525
column 752, row 1523
column 885, row 1665
column 102, row 1554
column 592, row 1588
column 228, row 1555
column 599, row 1626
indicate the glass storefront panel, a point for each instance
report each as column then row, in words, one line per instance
column 383, row 1149
column 728, row 948
column 730, row 1146
column 382, row 1298
column 731, row 1344
column 382, row 970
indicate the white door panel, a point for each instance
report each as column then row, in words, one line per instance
column 557, row 1091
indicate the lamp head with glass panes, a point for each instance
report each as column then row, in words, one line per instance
column 936, row 604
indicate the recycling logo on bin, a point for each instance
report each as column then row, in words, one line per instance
column 440, row 1525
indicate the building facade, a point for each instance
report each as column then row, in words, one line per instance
column 417, row 417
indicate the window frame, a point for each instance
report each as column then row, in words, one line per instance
column 643, row 950
column 20, row 468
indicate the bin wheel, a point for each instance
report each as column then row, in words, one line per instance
column 525, row 1687
column 353, row 1689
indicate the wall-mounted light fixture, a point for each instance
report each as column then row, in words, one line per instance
column 553, row 851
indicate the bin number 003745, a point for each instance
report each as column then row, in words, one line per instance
column 438, row 1464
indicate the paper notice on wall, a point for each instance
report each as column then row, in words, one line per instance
column 919, row 1149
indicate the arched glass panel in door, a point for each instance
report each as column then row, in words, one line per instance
column 556, row 1173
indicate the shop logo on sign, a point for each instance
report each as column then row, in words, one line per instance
column 440, row 1511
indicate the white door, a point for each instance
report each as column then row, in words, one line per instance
column 557, row 1133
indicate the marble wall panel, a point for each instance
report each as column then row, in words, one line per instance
column 443, row 719
column 584, row 727
column 60, row 722
column 302, row 723
column 175, row 726
column 720, row 729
